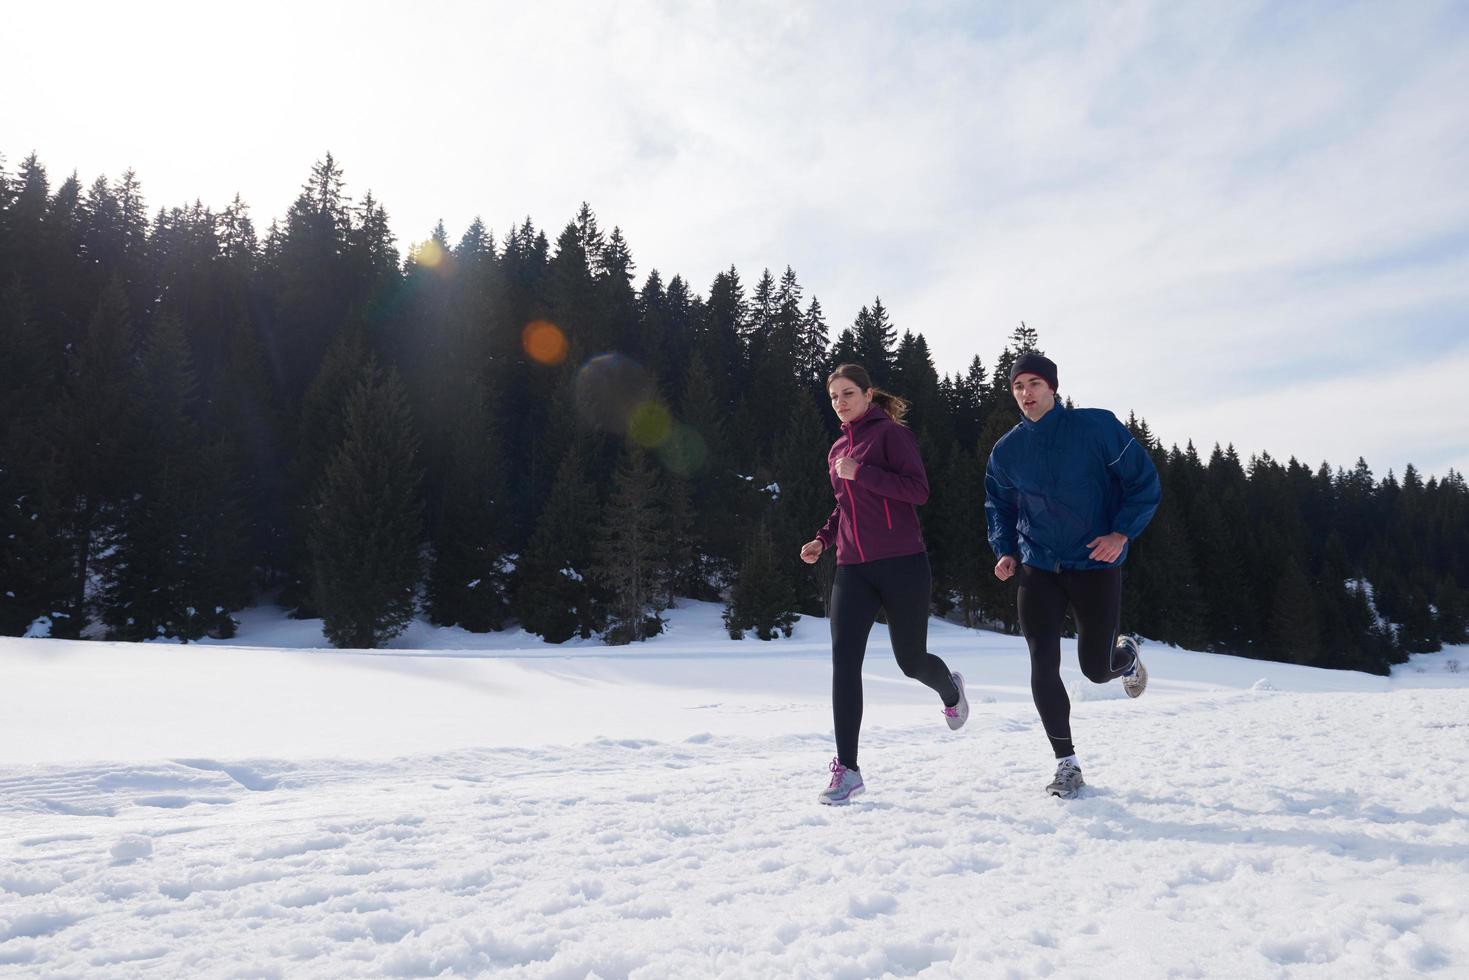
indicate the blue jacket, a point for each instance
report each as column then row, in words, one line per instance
column 1055, row 484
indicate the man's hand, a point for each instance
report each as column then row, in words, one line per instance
column 811, row 550
column 1005, row 567
column 1107, row 547
column 846, row 467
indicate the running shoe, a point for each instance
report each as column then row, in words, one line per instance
column 845, row 784
column 958, row 714
column 1068, row 781
column 1135, row 681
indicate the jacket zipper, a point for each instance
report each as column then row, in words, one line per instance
column 852, row 499
column 887, row 512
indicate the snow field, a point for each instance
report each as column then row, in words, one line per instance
column 1314, row 830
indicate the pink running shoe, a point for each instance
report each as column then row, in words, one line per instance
column 845, row 784
column 957, row 715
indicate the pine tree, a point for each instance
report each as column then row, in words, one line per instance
column 700, row 454
column 804, row 500
column 98, row 419
column 1024, row 340
column 686, row 564
column 653, row 341
column 721, row 336
column 877, row 340
column 675, row 331
column 368, row 518
column 175, row 568
column 1162, row 598
column 915, row 378
column 966, row 402
column 761, row 317
column 844, row 351
column 874, row 341
column 954, row 527
column 814, row 346
column 1295, row 634
column 632, row 550
column 618, row 301
column 35, row 554
column 762, row 599
column 571, row 295
column 316, row 267
column 320, row 432
column 774, row 332
column 553, row 594
column 245, row 412
column 996, row 599
column 24, row 221
column 589, row 238
column 370, row 244
column 65, row 288
column 237, row 241
column 467, row 582
column 8, row 191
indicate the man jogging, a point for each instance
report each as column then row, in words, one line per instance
column 1065, row 491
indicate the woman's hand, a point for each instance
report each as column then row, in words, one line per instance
column 1005, row 567
column 846, row 467
column 811, row 550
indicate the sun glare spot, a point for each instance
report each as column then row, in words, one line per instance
column 543, row 342
column 650, row 425
column 684, row 451
column 430, row 254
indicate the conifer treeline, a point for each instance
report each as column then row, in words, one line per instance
column 522, row 431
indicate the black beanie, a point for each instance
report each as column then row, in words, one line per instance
column 1035, row 364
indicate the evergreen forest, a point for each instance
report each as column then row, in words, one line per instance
column 528, row 430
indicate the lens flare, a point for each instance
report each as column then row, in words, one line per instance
column 650, row 425
column 684, row 451
column 543, row 342
column 430, row 254
column 609, row 389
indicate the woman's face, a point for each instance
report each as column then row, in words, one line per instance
column 849, row 401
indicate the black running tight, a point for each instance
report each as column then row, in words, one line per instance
column 900, row 586
column 1095, row 598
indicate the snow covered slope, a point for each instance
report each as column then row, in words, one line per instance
column 493, row 805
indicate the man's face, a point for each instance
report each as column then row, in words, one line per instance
column 1033, row 395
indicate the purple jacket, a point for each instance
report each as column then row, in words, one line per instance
column 876, row 515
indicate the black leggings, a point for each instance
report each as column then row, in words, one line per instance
column 901, row 587
column 1095, row 597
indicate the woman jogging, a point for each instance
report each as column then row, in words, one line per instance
column 879, row 482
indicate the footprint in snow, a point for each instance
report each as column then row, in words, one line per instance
column 131, row 848
column 244, row 775
column 868, row 906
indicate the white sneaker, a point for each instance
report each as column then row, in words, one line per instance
column 845, row 784
column 1134, row 682
column 958, row 714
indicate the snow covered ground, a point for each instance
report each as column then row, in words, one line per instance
column 467, row 804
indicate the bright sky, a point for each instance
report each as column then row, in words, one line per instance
column 1247, row 222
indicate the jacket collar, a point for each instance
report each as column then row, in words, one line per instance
column 1048, row 422
column 873, row 413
